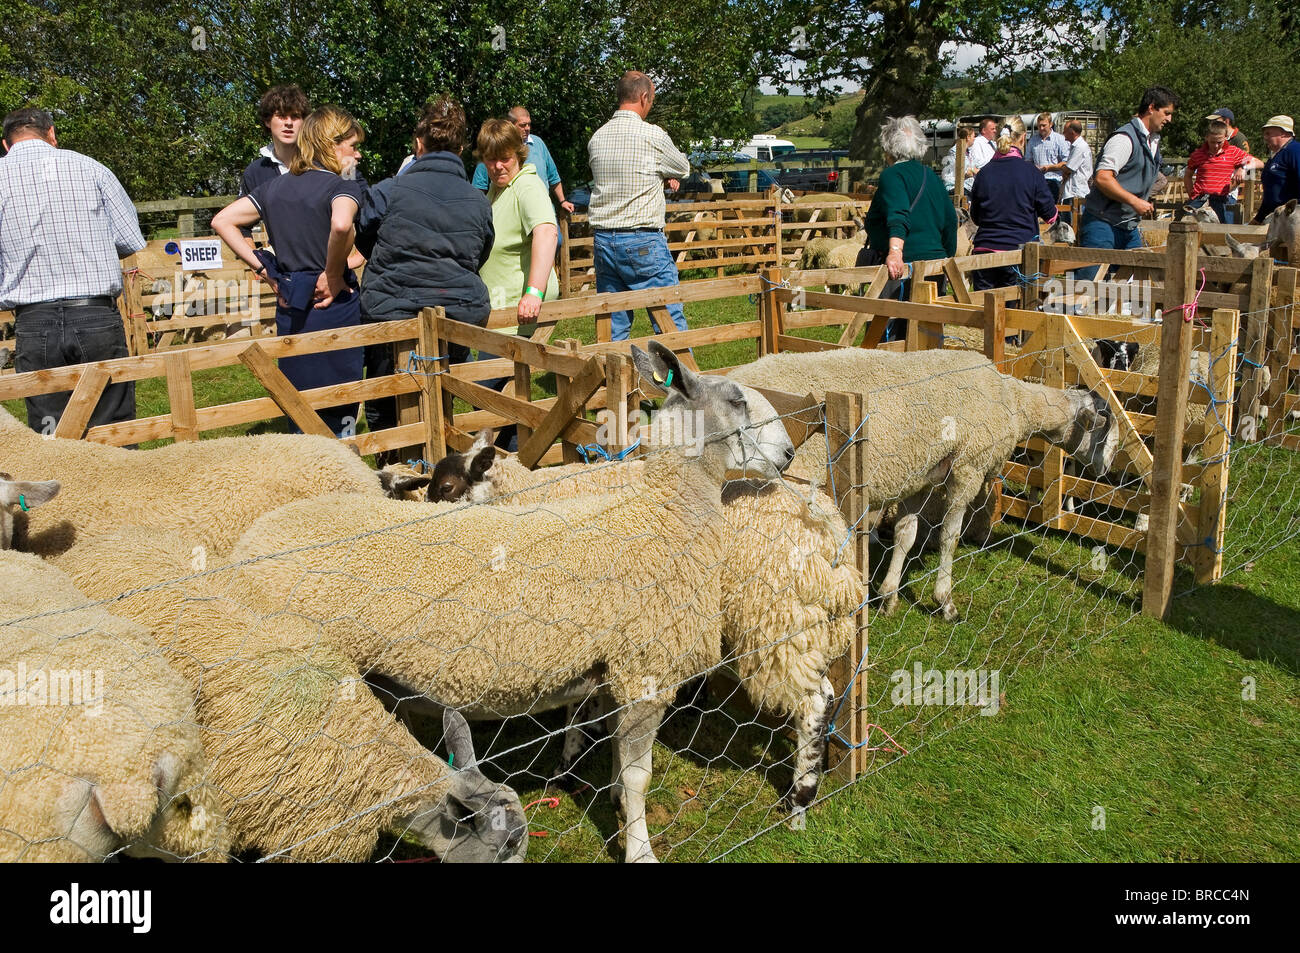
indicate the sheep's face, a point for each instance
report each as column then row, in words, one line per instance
column 1193, row 213
column 190, row 823
column 477, row 821
column 18, row 495
column 1090, row 435
column 734, row 428
column 1283, row 239
column 458, row 476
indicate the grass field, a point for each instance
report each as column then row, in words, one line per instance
column 1105, row 715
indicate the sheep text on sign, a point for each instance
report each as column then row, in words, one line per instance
column 203, row 255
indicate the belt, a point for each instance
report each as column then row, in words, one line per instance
column 102, row 301
column 646, row 229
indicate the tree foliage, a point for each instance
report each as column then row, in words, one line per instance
column 165, row 91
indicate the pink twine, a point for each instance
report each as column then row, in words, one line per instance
column 1189, row 310
column 896, row 746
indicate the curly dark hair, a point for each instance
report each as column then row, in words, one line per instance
column 442, row 126
column 283, row 101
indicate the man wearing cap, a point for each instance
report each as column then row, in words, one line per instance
column 65, row 221
column 1282, row 171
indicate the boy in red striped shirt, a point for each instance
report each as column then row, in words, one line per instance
column 1209, row 170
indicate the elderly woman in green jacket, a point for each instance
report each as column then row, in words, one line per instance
column 911, row 217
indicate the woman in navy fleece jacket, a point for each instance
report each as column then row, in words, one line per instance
column 1010, row 195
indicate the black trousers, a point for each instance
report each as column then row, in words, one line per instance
column 54, row 335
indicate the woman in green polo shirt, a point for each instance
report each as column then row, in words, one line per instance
column 520, row 272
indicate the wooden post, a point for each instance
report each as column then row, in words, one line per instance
column 846, row 437
column 85, row 398
column 778, row 219
column 524, row 391
column 137, row 333
column 431, row 398
column 959, row 178
column 185, row 223
column 929, row 335
column 565, row 258
column 180, row 396
column 619, row 396
column 1207, row 555
column 771, row 312
column 1029, row 267
column 1052, row 329
column 1171, row 417
column 282, row 392
column 1282, row 319
column 995, row 330
column 1256, row 347
column 604, row 331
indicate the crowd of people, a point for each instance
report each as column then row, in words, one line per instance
column 433, row 236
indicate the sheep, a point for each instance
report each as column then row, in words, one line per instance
column 942, row 418
column 620, row 589
column 815, row 252
column 99, row 750
column 212, row 489
column 309, row 765
column 20, row 495
column 789, row 591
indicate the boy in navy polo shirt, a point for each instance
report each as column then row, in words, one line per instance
column 281, row 110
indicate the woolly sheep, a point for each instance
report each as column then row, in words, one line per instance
column 210, row 489
column 940, row 418
column 99, row 750
column 309, row 765
column 788, row 595
column 499, row 611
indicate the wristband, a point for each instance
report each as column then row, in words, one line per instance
column 260, row 271
column 530, row 290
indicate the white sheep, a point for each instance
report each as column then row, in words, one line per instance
column 940, row 419
column 99, row 750
column 500, row 611
column 789, row 586
column 209, row 489
column 309, row 765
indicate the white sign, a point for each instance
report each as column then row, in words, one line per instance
column 201, row 255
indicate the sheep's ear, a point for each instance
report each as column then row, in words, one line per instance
column 459, row 742
column 27, row 495
column 665, row 371
column 1290, row 206
column 481, row 463
column 128, row 807
column 1238, row 249
column 484, row 438
column 397, row 482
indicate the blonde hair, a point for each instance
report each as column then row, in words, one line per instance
column 1012, row 135
column 498, row 138
column 321, row 131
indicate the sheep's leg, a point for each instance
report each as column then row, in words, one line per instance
column 905, row 528
column 586, row 727
column 810, row 736
column 634, row 737
column 958, row 501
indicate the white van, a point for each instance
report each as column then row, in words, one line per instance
column 766, row 148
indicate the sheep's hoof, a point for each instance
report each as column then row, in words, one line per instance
column 950, row 613
column 647, row 856
column 890, row 604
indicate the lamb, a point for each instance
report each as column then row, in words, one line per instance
column 942, row 418
column 99, row 751
column 309, row 765
column 211, row 490
column 788, row 596
column 619, row 589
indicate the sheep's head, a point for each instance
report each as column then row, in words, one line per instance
column 1244, row 249
column 477, row 820
column 1197, row 213
column 733, row 428
column 1089, row 434
column 463, row 476
column 1061, row 233
column 20, row 496
column 1283, row 239
column 190, row 823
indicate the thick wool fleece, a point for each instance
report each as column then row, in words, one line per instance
column 211, row 489
column 298, row 747
column 76, row 785
column 923, row 408
column 789, row 586
column 490, row 609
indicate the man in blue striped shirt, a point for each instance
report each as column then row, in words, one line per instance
column 65, row 221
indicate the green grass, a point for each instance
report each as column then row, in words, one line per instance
column 1103, row 707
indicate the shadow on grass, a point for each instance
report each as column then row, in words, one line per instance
column 1236, row 618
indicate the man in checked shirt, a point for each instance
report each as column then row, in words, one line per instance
column 65, row 221
column 630, row 160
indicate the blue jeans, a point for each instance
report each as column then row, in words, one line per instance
column 51, row 335
column 1098, row 233
column 631, row 261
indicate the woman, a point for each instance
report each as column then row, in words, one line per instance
column 520, row 271
column 965, row 136
column 309, row 215
column 1009, row 197
column 911, row 217
column 426, row 232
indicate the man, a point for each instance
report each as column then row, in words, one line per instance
column 1126, row 173
column 1210, row 169
column 281, row 110
column 965, row 136
column 65, row 221
column 1078, row 167
column 630, row 160
column 1048, row 150
column 982, row 149
column 1282, row 171
column 538, row 154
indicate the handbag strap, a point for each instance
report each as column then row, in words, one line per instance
column 911, row 208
